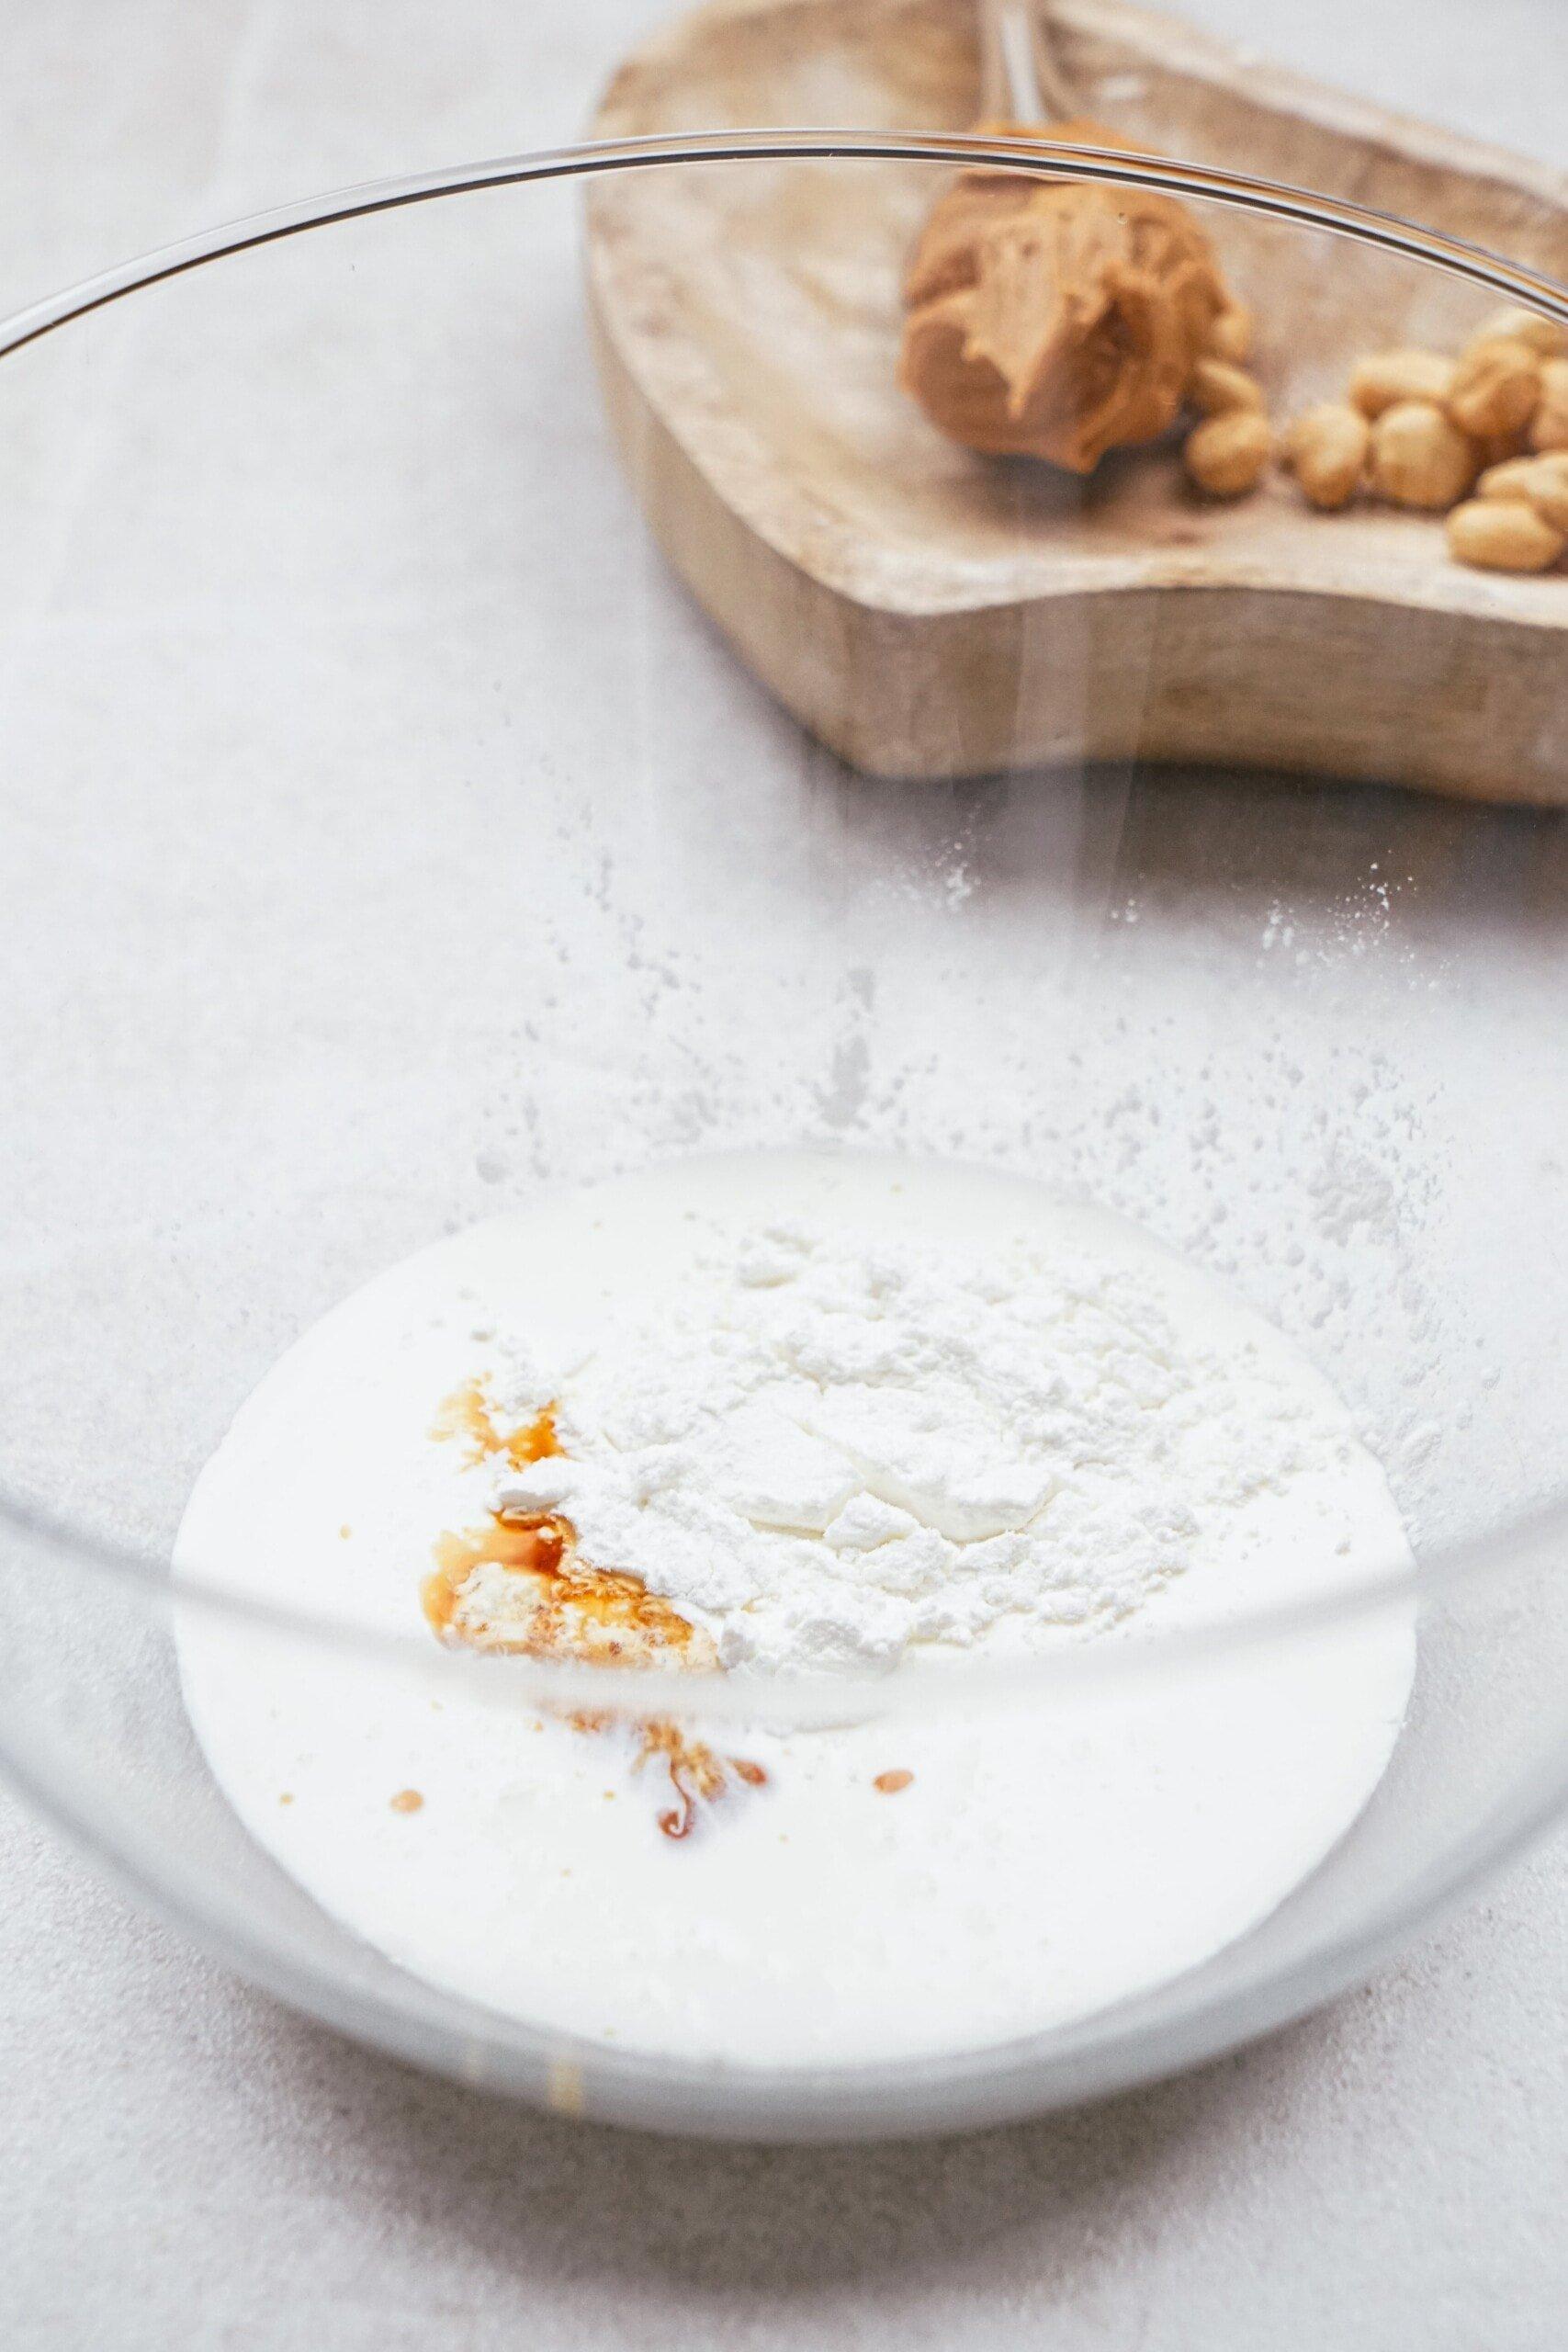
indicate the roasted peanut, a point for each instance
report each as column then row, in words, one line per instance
column 1230, row 337
column 1497, row 387
column 1548, row 426
column 1540, row 482
column 1419, row 457
column 1389, row 376
column 1327, row 451
column 1511, row 478
column 1504, row 534
column 1226, row 455
column 1216, row 387
column 1546, row 337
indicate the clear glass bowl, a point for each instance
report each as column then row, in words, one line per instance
column 393, row 839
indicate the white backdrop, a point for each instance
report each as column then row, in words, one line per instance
column 184, row 2165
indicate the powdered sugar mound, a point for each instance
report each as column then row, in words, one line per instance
column 830, row 1448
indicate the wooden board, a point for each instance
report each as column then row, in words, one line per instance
column 926, row 612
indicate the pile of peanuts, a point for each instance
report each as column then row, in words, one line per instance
column 1483, row 438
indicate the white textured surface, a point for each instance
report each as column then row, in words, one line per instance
column 184, row 2165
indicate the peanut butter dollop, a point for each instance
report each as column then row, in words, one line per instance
column 1056, row 320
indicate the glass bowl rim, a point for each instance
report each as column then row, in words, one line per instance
column 588, row 159
column 1522, row 1543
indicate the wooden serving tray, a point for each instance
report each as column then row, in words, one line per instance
column 926, row 612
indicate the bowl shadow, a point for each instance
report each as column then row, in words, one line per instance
column 524, row 2194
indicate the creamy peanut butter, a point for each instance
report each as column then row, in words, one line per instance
column 1056, row 320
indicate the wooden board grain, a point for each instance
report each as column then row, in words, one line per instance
column 930, row 613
